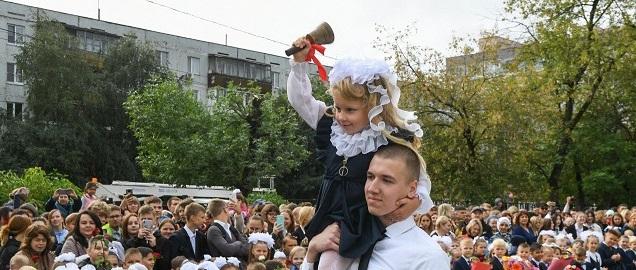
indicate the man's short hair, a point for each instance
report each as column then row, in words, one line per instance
column 408, row 155
column 613, row 232
column 113, row 207
column 193, row 209
column 152, row 199
column 215, row 207
column 145, row 210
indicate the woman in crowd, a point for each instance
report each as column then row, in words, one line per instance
column 443, row 227
column 11, row 238
column 424, row 221
column 56, row 222
column 37, row 247
column 87, row 226
column 473, row 229
column 130, row 227
column 522, row 227
column 269, row 213
column 631, row 222
column 536, row 223
column 616, row 223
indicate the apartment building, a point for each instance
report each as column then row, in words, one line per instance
column 208, row 64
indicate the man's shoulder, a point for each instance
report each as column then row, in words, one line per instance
column 422, row 239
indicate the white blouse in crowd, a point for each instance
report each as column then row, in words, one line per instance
column 593, row 256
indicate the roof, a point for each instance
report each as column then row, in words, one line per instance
column 117, row 189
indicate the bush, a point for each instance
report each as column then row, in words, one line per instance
column 40, row 184
column 272, row 197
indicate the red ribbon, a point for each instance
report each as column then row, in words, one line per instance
column 311, row 56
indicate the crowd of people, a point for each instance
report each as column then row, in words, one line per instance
column 232, row 234
column 373, row 211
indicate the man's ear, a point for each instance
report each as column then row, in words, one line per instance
column 413, row 188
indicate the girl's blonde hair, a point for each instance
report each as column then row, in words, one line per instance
column 305, row 214
column 445, row 210
column 589, row 237
column 295, row 250
column 353, row 91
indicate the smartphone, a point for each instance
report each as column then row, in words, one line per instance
column 280, row 221
column 233, row 197
column 147, row 224
column 129, row 191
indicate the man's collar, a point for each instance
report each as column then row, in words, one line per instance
column 189, row 232
column 400, row 227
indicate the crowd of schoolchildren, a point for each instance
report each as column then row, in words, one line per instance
column 498, row 237
column 84, row 232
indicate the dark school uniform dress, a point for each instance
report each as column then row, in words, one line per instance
column 341, row 198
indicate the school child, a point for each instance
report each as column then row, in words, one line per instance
column 364, row 117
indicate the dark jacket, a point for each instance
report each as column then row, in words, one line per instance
column 461, row 264
column 7, row 251
column 606, row 254
column 179, row 245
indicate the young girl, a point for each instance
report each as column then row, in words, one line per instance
column 593, row 258
column 97, row 254
column 363, row 118
column 260, row 245
column 480, row 248
column 296, row 257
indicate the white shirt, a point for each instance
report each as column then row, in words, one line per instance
column 225, row 226
column 405, row 247
column 299, row 94
column 193, row 238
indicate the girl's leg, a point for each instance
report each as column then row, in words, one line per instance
column 331, row 260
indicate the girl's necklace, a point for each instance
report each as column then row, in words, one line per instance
column 343, row 171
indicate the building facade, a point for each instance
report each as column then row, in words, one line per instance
column 208, row 64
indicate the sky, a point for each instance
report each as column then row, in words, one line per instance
column 354, row 22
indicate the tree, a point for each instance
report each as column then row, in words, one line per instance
column 76, row 123
column 577, row 46
column 474, row 127
column 181, row 142
column 173, row 130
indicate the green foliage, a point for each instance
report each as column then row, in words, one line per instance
column 247, row 135
column 41, row 184
column 77, row 124
column 174, row 137
column 272, row 197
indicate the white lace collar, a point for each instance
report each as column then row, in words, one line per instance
column 363, row 142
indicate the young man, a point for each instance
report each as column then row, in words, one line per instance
column 187, row 241
column 223, row 238
column 112, row 228
column 155, row 202
column 392, row 175
column 172, row 204
column 61, row 201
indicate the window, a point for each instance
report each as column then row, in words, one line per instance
column 14, row 109
column 14, row 74
column 275, row 80
column 195, row 95
column 193, row 65
column 16, row 34
column 93, row 42
column 162, row 58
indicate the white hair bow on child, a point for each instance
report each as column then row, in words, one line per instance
column 69, row 261
column 261, row 237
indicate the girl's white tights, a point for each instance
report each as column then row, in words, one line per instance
column 331, row 260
